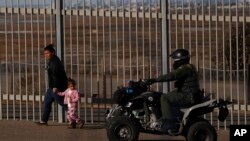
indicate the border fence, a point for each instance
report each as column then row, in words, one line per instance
column 105, row 43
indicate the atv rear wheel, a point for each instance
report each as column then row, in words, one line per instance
column 201, row 131
column 122, row 129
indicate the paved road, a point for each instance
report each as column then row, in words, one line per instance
column 28, row 131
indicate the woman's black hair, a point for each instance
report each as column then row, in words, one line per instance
column 50, row 48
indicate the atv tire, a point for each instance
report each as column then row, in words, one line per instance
column 122, row 129
column 201, row 131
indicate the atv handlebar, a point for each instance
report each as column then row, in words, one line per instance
column 147, row 82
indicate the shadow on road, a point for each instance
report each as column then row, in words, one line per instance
column 89, row 127
column 159, row 140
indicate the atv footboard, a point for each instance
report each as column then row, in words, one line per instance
column 201, row 111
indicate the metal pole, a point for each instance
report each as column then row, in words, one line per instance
column 1, row 114
column 165, row 45
column 59, row 45
column 248, row 86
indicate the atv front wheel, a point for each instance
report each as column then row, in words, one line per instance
column 122, row 129
column 201, row 131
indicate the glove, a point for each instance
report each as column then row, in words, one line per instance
column 149, row 81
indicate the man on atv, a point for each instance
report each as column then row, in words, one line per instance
column 186, row 92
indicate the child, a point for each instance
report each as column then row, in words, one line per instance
column 71, row 98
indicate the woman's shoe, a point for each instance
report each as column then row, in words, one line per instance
column 40, row 123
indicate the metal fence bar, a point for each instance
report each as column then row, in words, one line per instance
column 110, row 58
column 19, row 66
column 59, row 47
column 77, row 58
column 150, row 42
column 143, row 40
column 165, row 44
column 91, row 63
column 196, row 35
column 39, row 61
column 137, row 44
column 51, row 41
column 217, row 56
column 223, row 46
column 26, row 60
column 176, row 24
column 110, row 51
column 38, row 58
column 189, row 26
column 230, row 44
column 237, row 60
column 104, row 52
column 130, row 46
column 157, row 60
column 1, row 96
column 70, row 40
column 244, row 60
column 64, row 35
column 32, row 62
column 182, row 25
column 171, row 28
column 117, row 43
column 123, row 44
column 84, row 62
column 98, row 69
column 6, row 67
column 12, row 66
column 203, row 45
column 210, row 54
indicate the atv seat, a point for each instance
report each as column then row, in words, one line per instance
column 204, row 97
column 180, row 111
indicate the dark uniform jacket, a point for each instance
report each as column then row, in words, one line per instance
column 56, row 74
column 186, row 80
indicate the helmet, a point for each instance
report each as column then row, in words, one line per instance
column 180, row 54
column 180, row 57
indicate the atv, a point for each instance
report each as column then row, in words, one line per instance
column 137, row 110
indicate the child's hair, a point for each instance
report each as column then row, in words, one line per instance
column 71, row 81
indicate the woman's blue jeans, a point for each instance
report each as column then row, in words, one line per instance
column 49, row 98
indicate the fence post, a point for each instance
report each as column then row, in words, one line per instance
column 248, row 86
column 165, row 42
column 59, row 45
column 1, row 91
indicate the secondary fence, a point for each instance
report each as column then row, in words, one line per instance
column 104, row 43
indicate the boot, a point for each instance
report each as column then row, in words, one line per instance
column 170, row 126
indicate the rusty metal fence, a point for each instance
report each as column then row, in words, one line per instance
column 104, row 43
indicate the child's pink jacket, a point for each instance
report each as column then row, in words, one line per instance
column 71, row 94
